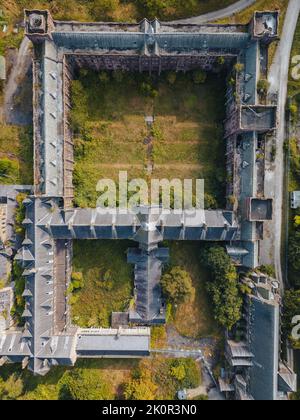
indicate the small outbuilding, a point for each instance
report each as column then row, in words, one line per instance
column 295, row 199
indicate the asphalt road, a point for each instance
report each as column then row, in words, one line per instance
column 218, row 14
column 278, row 78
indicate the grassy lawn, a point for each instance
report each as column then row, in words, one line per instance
column 16, row 155
column 193, row 319
column 108, row 281
column 186, row 141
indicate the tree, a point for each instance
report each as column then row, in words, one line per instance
column 294, row 251
column 224, row 288
column 291, row 308
column 12, row 388
column 141, row 388
column 199, row 76
column 177, row 286
column 239, row 67
column 84, row 384
column 263, row 87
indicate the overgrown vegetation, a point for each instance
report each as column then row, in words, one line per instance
column 223, row 288
column 177, row 286
column 185, row 142
column 194, row 317
column 19, row 303
column 101, row 282
column 162, row 379
column 291, row 309
column 155, row 378
column 16, row 155
column 117, row 10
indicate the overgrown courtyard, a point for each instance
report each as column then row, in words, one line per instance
column 111, row 134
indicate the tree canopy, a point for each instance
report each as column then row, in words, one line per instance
column 224, row 288
column 177, row 286
column 83, row 384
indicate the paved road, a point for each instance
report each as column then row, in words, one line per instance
column 218, row 14
column 278, row 78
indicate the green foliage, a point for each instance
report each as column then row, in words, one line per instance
column 177, row 286
column 141, row 388
column 161, row 378
column 19, row 304
column 12, row 388
column 224, row 288
column 83, row 384
column 171, row 77
column 267, row 269
column 199, row 76
column 263, row 87
column 294, row 251
column 77, row 281
column 291, row 309
column 210, row 202
column 8, row 169
column 105, row 9
column 106, row 281
column 20, row 214
column 239, row 67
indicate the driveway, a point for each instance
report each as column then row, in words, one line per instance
column 278, row 77
column 218, row 14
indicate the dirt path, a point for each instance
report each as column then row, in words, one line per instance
column 19, row 71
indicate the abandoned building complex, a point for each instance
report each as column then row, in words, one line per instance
column 52, row 223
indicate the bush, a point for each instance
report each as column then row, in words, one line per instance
column 8, row 168
column 263, row 87
column 77, row 280
column 12, row 388
column 141, row 388
column 199, row 76
column 177, row 286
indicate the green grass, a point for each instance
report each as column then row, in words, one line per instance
column 193, row 319
column 109, row 121
column 108, row 281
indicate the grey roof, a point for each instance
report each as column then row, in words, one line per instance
column 121, row 342
column 66, row 44
column 264, row 343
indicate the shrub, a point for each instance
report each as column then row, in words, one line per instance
column 77, row 281
column 171, row 77
column 263, row 87
column 199, row 76
column 8, row 168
